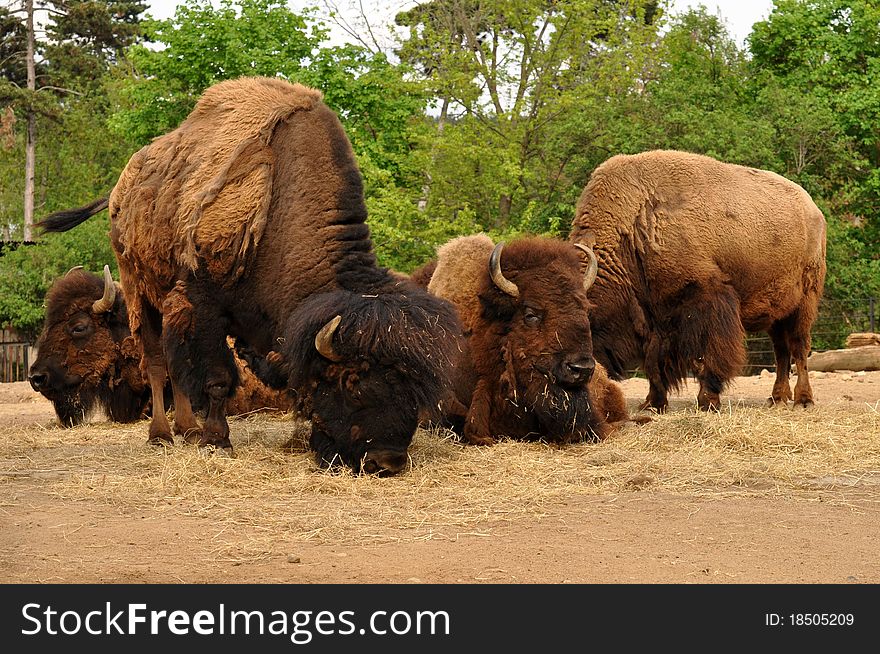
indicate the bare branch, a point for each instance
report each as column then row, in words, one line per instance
column 59, row 88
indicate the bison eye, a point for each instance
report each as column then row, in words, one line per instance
column 78, row 330
column 531, row 317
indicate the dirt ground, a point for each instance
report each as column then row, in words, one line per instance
column 96, row 504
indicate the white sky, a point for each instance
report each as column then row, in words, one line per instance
column 739, row 15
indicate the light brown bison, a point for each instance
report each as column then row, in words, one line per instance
column 528, row 370
column 249, row 220
column 692, row 253
column 87, row 359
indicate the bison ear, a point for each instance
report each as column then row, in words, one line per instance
column 497, row 305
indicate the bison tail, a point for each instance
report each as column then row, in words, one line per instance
column 61, row 221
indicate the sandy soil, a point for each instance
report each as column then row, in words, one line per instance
column 828, row 535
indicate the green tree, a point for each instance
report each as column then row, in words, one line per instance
column 201, row 45
column 505, row 73
column 818, row 65
column 75, row 158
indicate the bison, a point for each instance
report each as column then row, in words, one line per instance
column 249, row 220
column 693, row 253
column 528, row 371
column 87, row 359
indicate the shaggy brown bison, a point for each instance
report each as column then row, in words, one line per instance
column 249, row 220
column 86, row 358
column 693, row 252
column 528, row 371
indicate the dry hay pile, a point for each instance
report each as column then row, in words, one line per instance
column 451, row 489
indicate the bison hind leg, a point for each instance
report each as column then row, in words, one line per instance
column 781, row 394
column 799, row 345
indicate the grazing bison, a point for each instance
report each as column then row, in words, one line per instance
column 249, row 220
column 87, row 359
column 528, row 371
column 692, row 252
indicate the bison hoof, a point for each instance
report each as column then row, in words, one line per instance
column 648, row 406
column 804, row 403
column 193, row 436
column 773, row 402
column 218, row 449
column 479, row 440
column 160, row 440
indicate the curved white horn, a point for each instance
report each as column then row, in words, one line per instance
column 593, row 270
column 324, row 340
column 106, row 302
column 497, row 276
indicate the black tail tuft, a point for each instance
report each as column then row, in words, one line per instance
column 61, row 221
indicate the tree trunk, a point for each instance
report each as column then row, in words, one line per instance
column 31, row 146
column 426, row 187
column 504, row 206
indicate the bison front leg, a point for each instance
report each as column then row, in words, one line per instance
column 201, row 364
column 476, row 426
column 657, row 393
column 216, row 429
column 185, row 423
column 656, row 399
column 709, row 397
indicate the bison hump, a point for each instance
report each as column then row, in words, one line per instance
column 209, row 182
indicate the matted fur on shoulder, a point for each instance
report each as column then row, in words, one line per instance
column 207, row 184
column 413, row 332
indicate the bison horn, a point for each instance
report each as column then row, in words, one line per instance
column 324, row 340
column 593, row 270
column 497, row 276
column 72, row 269
column 106, row 303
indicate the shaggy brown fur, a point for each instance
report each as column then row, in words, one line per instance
column 528, row 371
column 233, row 224
column 692, row 253
column 88, row 360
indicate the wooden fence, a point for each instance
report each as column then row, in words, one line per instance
column 14, row 357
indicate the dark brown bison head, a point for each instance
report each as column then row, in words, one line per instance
column 533, row 335
column 369, row 365
column 82, row 359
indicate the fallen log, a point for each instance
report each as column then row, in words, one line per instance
column 858, row 339
column 866, row 357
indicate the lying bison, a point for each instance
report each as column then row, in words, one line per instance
column 249, row 220
column 528, row 371
column 692, row 253
column 86, row 358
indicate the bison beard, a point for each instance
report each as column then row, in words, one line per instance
column 122, row 405
column 563, row 415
